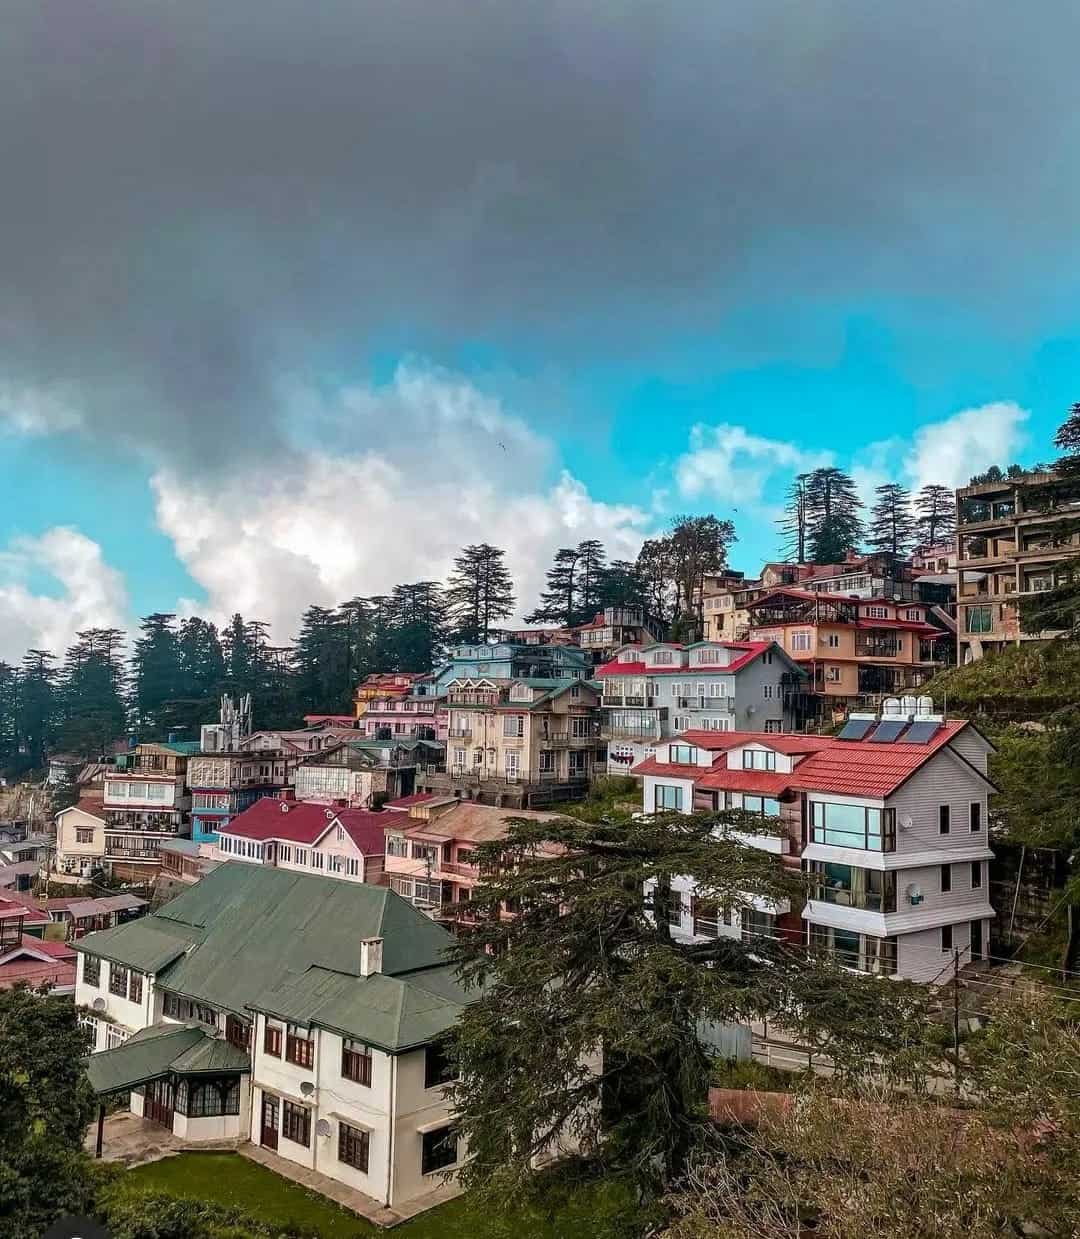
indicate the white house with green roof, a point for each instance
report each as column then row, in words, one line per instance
column 304, row 1014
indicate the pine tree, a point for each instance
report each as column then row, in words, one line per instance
column 834, row 526
column 655, row 569
column 321, row 662
column 9, row 719
column 936, row 519
column 591, row 566
column 91, row 692
column 559, row 601
column 419, row 630
column 155, row 674
column 794, row 525
column 38, row 707
column 480, row 592
column 620, row 586
column 700, row 545
column 892, row 525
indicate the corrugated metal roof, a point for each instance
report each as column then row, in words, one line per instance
column 146, row 944
column 144, row 1056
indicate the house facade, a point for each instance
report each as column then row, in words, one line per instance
column 315, row 1032
column 80, row 838
column 855, row 651
column 519, row 742
column 223, row 784
column 145, row 802
column 306, row 837
column 361, row 772
column 431, row 851
column 615, row 627
column 1008, row 548
column 890, row 824
column 509, row 660
column 654, row 692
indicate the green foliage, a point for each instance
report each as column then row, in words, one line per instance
column 892, row 523
column 1024, row 682
column 479, row 593
column 759, row 1077
column 935, row 520
column 588, row 970
column 160, row 1216
column 575, row 586
column 609, row 795
column 45, row 1105
column 833, row 523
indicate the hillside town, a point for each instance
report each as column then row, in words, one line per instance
column 261, row 927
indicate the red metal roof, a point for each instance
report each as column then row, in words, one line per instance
column 863, row 768
column 406, row 802
column 677, row 770
column 782, row 742
column 304, row 821
column 763, row 782
column 751, row 649
column 37, row 972
column 10, row 907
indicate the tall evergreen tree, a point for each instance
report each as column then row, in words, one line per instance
column 591, row 566
column 935, row 522
column 834, row 525
column 656, row 568
column 91, row 692
column 892, row 523
column 419, row 631
column 321, row 661
column 39, row 707
column 480, row 592
column 155, row 675
column 9, row 719
column 700, row 545
column 356, row 615
column 621, row 586
column 795, row 523
column 559, row 601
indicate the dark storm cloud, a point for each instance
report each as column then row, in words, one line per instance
column 199, row 200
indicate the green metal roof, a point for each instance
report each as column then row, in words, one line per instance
column 144, row 1056
column 264, row 939
column 211, row 1055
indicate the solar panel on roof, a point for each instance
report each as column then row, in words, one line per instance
column 922, row 732
column 855, row 728
column 887, row 731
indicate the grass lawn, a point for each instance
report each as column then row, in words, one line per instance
column 230, row 1179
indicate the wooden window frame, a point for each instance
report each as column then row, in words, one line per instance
column 354, row 1146
column 356, row 1063
column 272, row 1039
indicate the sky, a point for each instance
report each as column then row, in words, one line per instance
column 296, row 301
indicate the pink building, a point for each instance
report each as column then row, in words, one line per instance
column 402, row 704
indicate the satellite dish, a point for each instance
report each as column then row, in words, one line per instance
column 307, row 1088
column 906, row 822
column 284, row 806
column 99, row 1004
column 330, row 815
column 914, row 894
column 322, row 1128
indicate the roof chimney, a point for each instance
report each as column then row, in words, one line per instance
column 370, row 956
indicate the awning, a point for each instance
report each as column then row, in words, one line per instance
column 161, row 1050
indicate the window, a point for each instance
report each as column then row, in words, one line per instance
column 877, row 612
column 353, row 1146
column 352, row 867
column 800, row 642
column 764, row 805
column 299, row 1048
column 439, row 1068
column 718, row 688
column 667, row 797
column 285, row 853
column 767, row 691
column 316, row 859
column 237, row 1032
column 296, row 1123
column 88, row 1024
column 833, row 640
column 201, row 1099
column 914, row 614
column 662, row 658
column 397, row 845
column 118, row 980
column 976, row 874
column 682, row 722
column 91, row 973
column 706, row 916
column 975, row 815
column 115, row 1035
column 978, row 619
column 356, row 1062
column 514, row 725
column 773, row 725
column 84, row 836
column 832, row 674
column 547, row 761
column 946, row 938
column 272, row 1040
column 870, row 890
column 758, row 759
column 301, row 856
column 172, row 1007
column 674, row 909
column 579, row 728
column 853, row 826
column 135, row 987
column 943, row 819
column 439, row 1150
column 682, row 754
column 575, row 690
column 946, row 879
column 205, row 1015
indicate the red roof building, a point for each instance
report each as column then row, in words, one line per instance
column 308, row 836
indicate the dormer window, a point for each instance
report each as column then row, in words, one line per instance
column 662, row 658
column 758, row 759
column 683, row 754
column 877, row 612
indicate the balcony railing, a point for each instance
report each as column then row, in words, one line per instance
column 629, row 699
column 564, row 739
column 459, row 733
column 643, row 731
column 723, row 705
column 878, row 649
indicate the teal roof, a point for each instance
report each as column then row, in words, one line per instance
column 144, row 1056
column 248, row 937
column 187, row 748
column 211, row 1056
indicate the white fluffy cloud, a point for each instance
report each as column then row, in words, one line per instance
column 436, row 465
column 970, row 441
column 91, row 593
column 36, row 411
column 729, row 465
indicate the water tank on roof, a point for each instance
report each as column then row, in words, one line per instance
column 908, row 705
column 925, row 705
column 891, row 707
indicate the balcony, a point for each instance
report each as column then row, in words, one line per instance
column 878, row 649
column 634, row 700
column 623, row 731
column 566, row 739
column 459, row 733
column 718, row 705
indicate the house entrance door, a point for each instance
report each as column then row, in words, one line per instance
column 158, row 1102
column 269, row 1133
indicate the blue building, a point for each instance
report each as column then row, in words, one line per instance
column 225, row 784
column 509, row 661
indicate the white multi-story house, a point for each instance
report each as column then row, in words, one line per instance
column 145, row 803
column 890, row 823
column 302, row 1014
column 653, row 692
column 307, row 837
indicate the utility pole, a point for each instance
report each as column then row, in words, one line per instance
column 956, row 1016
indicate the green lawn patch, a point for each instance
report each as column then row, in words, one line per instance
column 598, row 1210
